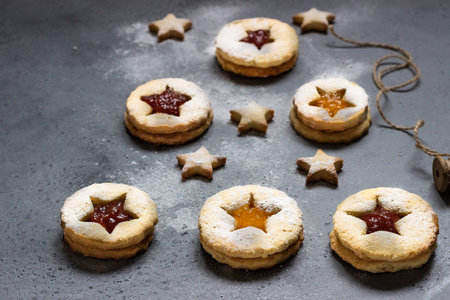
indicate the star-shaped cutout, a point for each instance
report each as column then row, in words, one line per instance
column 313, row 19
column 321, row 167
column 253, row 116
column 379, row 219
column 167, row 102
column 258, row 38
column 109, row 214
column 332, row 102
column 170, row 27
column 200, row 163
column 250, row 215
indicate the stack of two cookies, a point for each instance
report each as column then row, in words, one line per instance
column 130, row 231
column 168, row 111
column 384, row 230
column 250, row 227
column 331, row 110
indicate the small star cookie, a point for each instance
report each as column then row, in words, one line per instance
column 170, row 27
column 313, row 19
column 321, row 167
column 253, row 116
column 200, row 163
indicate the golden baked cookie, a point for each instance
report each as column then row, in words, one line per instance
column 313, row 20
column 200, row 162
column 170, row 27
column 109, row 220
column 331, row 110
column 257, row 47
column 252, row 117
column 396, row 229
column 250, row 227
column 168, row 108
column 333, row 137
column 334, row 104
column 321, row 167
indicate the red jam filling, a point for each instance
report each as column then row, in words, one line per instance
column 109, row 215
column 258, row 38
column 380, row 220
column 168, row 102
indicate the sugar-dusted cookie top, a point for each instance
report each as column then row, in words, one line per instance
column 186, row 98
column 200, row 162
column 218, row 225
column 417, row 225
column 334, row 104
column 321, row 167
column 232, row 42
column 77, row 211
column 253, row 116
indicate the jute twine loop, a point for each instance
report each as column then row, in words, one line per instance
column 378, row 74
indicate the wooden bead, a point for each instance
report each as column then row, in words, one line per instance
column 441, row 173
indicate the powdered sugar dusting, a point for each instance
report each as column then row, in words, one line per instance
column 322, row 65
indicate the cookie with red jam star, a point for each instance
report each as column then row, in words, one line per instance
column 384, row 230
column 257, row 47
column 109, row 221
column 168, row 111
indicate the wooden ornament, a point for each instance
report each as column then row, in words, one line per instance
column 441, row 173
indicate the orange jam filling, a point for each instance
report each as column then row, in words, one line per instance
column 332, row 102
column 249, row 215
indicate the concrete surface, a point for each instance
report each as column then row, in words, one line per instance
column 66, row 71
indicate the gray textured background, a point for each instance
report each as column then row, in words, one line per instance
column 66, row 71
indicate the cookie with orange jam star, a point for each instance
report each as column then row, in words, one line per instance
column 250, row 227
column 331, row 110
column 257, row 47
column 384, row 230
column 109, row 221
column 168, row 111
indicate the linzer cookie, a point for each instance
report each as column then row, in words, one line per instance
column 168, row 111
column 250, row 227
column 384, row 230
column 109, row 221
column 331, row 110
column 258, row 47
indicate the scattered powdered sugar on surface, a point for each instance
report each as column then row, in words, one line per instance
column 140, row 58
column 323, row 65
column 348, row 17
column 185, row 219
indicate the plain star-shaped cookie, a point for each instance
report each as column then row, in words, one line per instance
column 253, row 116
column 169, row 27
column 313, row 19
column 321, row 167
column 200, row 163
